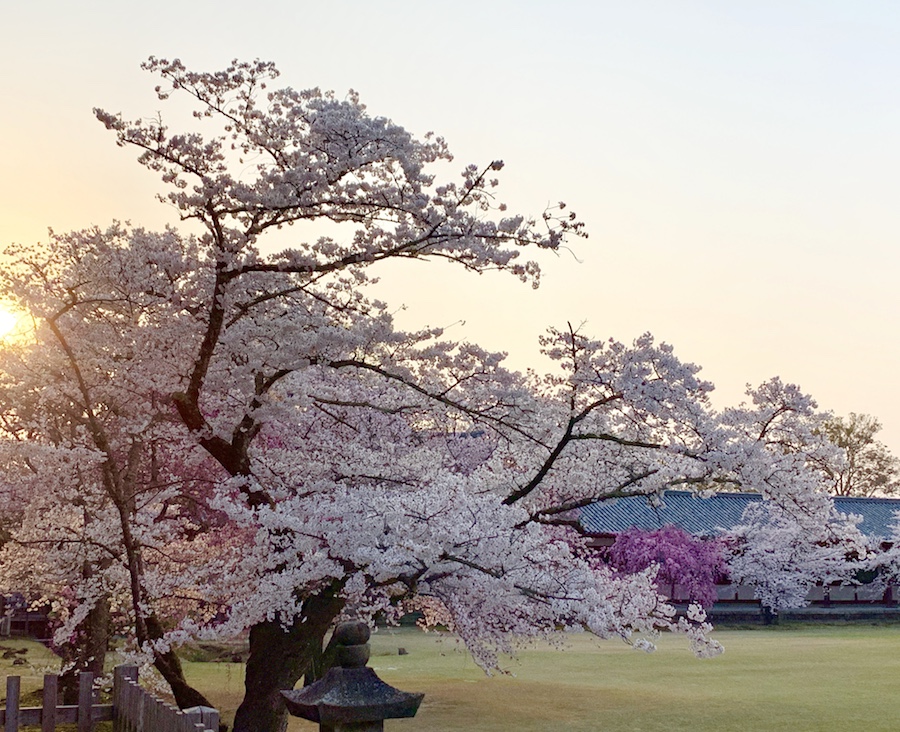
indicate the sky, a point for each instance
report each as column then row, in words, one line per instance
column 737, row 164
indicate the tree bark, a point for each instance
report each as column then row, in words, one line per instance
column 279, row 657
column 322, row 660
column 169, row 665
column 90, row 653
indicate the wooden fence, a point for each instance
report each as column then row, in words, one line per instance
column 136, row 710
column 133, row 709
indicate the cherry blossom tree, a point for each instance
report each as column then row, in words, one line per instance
column 783, row 427
column 783, row 558
column 89, row 441
column 270, row 453
column 883, row 567
column 794, row 539
column 694, row 564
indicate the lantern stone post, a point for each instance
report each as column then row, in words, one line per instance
column 351, row 697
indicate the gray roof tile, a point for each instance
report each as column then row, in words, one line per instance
column 709, row 516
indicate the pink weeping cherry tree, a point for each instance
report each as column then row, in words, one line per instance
column 693, row 564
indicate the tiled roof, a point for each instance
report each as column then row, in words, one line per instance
column 879, row 514
column 709, row 516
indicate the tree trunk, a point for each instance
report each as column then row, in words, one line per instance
column 322, row 660
column 148, row 627
column 169, row 665
column 278, row 658
column 90, row 652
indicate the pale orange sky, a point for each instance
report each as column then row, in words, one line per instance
column 736, row 163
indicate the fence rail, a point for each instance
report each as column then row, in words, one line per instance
column 133, row 709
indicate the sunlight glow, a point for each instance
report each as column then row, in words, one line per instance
column 7, row 323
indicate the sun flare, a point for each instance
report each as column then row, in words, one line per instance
column 8, row 323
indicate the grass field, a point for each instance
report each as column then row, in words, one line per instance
column 798, row 678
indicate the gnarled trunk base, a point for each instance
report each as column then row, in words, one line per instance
column 278, row 658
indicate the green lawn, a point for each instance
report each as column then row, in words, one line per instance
column 799, row 679
column 38, row 660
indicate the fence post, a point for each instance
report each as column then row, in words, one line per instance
column 207, row 716
column 51, row 697
column 85, row 701
column 12, row 704
column 192, row 716
column 122, row 697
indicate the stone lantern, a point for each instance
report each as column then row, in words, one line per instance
column 350, row 697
